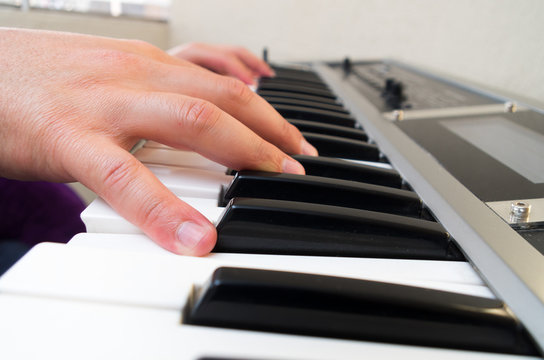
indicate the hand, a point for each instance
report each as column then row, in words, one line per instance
column 72, row 106
column 223, row 59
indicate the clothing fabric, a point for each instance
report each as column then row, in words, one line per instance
column 34, row 212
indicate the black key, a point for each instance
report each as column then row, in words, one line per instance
column 300, row 80
column 305, row 103
column 289, row 81
column 329, row 129
column 288, row 69
column 335, row 307
column 292, row 95
column 335, row 146
column 295, row 73
column 347, row 170
column 297, row 89
column 320, row 190
column 265, row 226
column 311, row 114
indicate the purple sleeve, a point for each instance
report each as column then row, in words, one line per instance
column 33, row 212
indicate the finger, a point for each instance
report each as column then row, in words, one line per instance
column 184, row 121
column 259, row 66
column 218, row 59
column 136, row 194
column 235, row 98
column 232, row 66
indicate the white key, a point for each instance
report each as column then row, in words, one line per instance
column 443, row 275
column 130, row 304
column 156, row 145
column 163, row 156
column 64, row 330
column 136, row 279
column 191, row 182
column 165, row 280
column 99, row 217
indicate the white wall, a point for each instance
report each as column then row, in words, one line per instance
column 499, row 43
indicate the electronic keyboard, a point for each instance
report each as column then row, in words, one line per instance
column 417, row 233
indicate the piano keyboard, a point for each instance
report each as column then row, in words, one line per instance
column 346, row 262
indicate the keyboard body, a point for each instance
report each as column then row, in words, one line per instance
column 113, row 293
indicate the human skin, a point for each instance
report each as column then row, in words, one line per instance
column 72, row 106
column 229, row 60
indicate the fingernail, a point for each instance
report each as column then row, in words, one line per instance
column 190, row 234
column 292, row 166
column 308, row 149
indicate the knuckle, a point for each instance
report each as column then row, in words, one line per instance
column 293, row 134
column 261, row 154
column 146, row 48
column 290, row 129
column 152, row 212
column 140, row 44
column 118, row 174
column 237, row 91
column 199, row 117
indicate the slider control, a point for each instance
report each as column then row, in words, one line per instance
column 264, row 226
column 335, row 307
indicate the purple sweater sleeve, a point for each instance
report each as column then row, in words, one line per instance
column 33, row 212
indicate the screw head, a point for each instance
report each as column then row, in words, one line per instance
column 510, row 106
column 398, row 115
column 519, row 211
